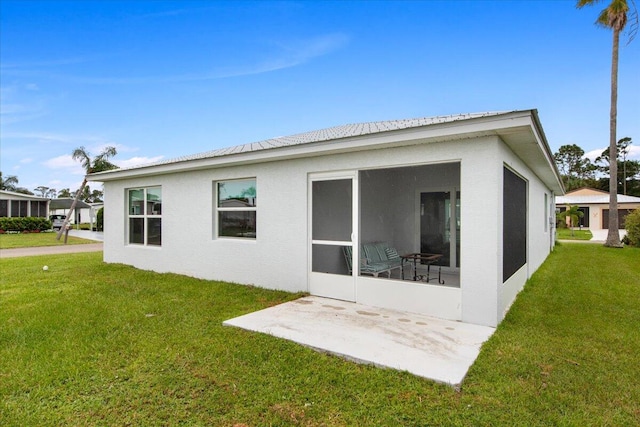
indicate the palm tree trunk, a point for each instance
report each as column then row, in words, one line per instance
column 71, row 210
column 613, row 236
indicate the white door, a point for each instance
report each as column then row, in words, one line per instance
column 333, row 226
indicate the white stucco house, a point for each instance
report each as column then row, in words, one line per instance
column 477, row 189
column 594, row 205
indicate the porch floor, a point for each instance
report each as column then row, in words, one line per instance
column 441, row 350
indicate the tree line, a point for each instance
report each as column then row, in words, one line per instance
column 579, row 171
column 11, row 183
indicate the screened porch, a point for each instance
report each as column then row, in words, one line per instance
column 408, row 220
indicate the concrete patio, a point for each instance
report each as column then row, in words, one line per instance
column 429, row 347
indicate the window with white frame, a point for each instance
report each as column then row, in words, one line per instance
column 144, row 210
column 236, row 208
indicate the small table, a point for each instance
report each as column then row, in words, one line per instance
column 424, row 259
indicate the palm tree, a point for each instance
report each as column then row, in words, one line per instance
column 9, row 183
column 614, row 17
column 64, row 193
column 100, row 163
column 574, row 215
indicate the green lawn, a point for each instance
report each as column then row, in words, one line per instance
column 87, row 343
column 565, row 234
column 10, row 241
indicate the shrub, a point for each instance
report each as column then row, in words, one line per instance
column 632, row 224
column 100, row 219
column 22, row 224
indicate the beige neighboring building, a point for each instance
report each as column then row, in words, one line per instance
column 595, row 206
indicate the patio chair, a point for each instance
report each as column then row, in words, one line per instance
column 375, row 258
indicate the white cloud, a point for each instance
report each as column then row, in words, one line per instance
column 591, row 155
column 65, row 162
column 26, row 161
column 137, row 161
column 634, row 153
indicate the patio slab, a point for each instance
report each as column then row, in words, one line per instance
column 429, row 347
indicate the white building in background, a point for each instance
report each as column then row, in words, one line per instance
column 477, row 189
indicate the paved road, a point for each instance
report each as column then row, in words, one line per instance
column 62, row 249
column 50, row 250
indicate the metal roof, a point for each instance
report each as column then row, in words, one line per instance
column 594, row 199
column 65, row 203
column 15, row 195
column 520, row 130
column 329, row 134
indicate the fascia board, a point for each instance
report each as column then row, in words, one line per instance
column 551, row 162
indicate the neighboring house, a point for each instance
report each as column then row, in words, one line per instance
column 477, row 188
column 93, row 213
column 22, row 205
column 594, row 205
column 61, row 207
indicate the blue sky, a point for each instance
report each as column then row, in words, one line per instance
column 163, row 79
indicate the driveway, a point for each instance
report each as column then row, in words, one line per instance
column 601, row 235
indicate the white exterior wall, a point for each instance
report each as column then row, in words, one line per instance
column 481, row 215
column 278, row 258
column 539, row 237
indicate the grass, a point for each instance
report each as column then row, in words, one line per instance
column 88, row 343
column 11, row 241
column 565, row 234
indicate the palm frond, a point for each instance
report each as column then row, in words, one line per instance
column 81, row 154
column 582, row 3
column 102, row 165
column 101, row 162
column 616, row 15
column 632, row 17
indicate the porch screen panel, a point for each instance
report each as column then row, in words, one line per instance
column 332, row 225
column 332, row 207
column 330, row 259
column 19, row 208
column 38, row 208
column 514, row 227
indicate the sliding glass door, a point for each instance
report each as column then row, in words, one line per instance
column 440, row 225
